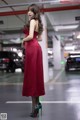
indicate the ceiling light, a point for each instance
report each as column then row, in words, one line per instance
column 78, row 37
column 71, row 1
column 67, row 27
column 69, row 47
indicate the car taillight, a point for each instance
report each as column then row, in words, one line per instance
column 6, row 60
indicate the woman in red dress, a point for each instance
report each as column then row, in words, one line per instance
column 33, row 84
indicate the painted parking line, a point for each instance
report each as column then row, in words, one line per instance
column 64, row 83
column 56, row 77
column 6, row 75
column 6, row 83
column 44, row 102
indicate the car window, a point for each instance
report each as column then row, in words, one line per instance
column 4, row 55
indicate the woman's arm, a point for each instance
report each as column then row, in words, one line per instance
column 31, row 31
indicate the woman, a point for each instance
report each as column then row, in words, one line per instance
column 33, row 84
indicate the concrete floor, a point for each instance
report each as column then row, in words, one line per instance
column 61, row 101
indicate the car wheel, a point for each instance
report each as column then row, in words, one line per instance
column 12, row 69
column 66, row 69
column 7, row 70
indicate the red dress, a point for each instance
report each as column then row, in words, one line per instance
column 33, row 84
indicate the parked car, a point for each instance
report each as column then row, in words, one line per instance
column 10, row 61
column 73, row 62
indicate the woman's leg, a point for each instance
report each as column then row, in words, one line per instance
column 37, row 100
column 36, row 106
column 35, row 109
column 39, row 104
column 33, row 103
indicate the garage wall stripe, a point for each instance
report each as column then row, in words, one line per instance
column 55, row 9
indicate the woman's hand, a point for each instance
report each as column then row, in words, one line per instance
column 23, row 42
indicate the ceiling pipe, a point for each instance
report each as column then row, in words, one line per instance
column 55, row 9
column 28, row 3
column 41, row 2
column 14, row 10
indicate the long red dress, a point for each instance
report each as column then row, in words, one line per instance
column 33, row 84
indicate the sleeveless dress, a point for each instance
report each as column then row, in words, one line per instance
column 33, row 84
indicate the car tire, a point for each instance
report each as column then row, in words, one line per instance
column 7, row 70
column 12, row 69
column 66, row 69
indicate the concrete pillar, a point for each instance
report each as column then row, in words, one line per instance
column 57, row 53
column 43, row 44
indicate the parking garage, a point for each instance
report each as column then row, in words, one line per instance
column 61, row 21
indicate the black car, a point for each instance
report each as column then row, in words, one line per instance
column 10, row 61
column 73, row 62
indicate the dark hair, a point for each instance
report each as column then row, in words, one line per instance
column 35, row 9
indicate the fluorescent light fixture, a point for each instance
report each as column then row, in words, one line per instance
column 50, row 52
column 69, row 47
column 78, row 37
column 70, row 1
column 75, row 52
column 75, row 56
column 67, row 27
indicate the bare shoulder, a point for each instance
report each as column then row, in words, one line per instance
column 33, row 21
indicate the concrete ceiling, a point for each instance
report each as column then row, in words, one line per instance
column 60, row 16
